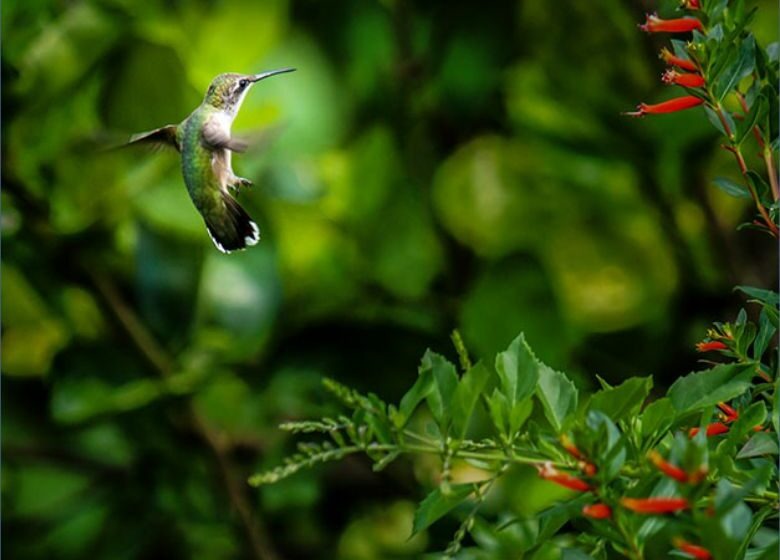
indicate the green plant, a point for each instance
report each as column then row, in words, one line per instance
column 693, row 471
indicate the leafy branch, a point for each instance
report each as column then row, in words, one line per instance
column 697, row 465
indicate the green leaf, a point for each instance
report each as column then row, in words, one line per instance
column 558, row 396
column 518, row 370
column 776, row 406
column 574, row 554
column 706, row 388
column 712, row 116
column 761, row 187
column 760, row 444
column 741, row 67
column 80, row 399
column 519, row 414
column 773, row 51
column 413, row 397
column 657, row 417
column 766, row 332
column 607, row 445
column 769, row 550
column 745, row 126
column 552, row 519
column 754, row 415
column 765, row 296
column 498, row 408
column 773, row 314
column 508, row 421
column 32, row 335
column 623, row 401
column 731, row 188
column 467, row 394
column 445, row 382
column 724, row 531
column 437, row 504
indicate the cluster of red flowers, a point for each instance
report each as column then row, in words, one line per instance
column 675, row 472
column 691, row 78
column 599, row 510
column 548, row 472
column 657, row 505
column 729, row 415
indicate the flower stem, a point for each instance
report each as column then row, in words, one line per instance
column 756, row 130
column 734, row 148
column 770, row 169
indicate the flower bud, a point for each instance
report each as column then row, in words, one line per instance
column 654, row 24
column 597, row 511
column 671, row 106
column 657, row 506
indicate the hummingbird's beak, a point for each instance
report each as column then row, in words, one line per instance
column 264, row 75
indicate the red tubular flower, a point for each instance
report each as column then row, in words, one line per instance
column 548, row 472
column 698, row 475
column 673, row 60
column 682, row 78
column 655, row 506
column 654, row 24
column 597, row 511
column 671, row 106
column 731, row 413
column 710, row 346
column 588, row 468
column 667, row 468
column 691, row 4
column 714, row 429
column 697, row 552
column 569, row 446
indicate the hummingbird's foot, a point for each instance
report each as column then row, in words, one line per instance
column 236, row 182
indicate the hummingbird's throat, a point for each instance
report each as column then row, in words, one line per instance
column 233, row 104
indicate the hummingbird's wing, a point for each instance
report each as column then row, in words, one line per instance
column 216, row 135
column 163, row 136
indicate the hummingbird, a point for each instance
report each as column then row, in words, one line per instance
column 206, row 146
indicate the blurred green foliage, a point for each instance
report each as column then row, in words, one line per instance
column 429, row 166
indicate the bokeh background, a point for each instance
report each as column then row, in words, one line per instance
column 430, row 166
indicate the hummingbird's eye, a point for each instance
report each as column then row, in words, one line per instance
column 243, row 83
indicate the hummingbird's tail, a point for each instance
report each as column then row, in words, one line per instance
column 231, row 229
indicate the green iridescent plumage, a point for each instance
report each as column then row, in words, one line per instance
column 206, row 148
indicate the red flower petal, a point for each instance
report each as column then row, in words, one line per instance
column 710, row 346
column 682, row 79
column 673, row 60
column 698, row 552
column 654, row 505
column 731, row 413
column 671, row 106
column 548, row 472
column 597, row 511
column 569, row 446
column 654, row 24
column 667, row 468
column 714, row 429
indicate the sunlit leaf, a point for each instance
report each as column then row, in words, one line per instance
column 699, row 390
column 558, row 396
column 445, row 382
column 759, row 444
column 623, row 401
column 466, row 396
